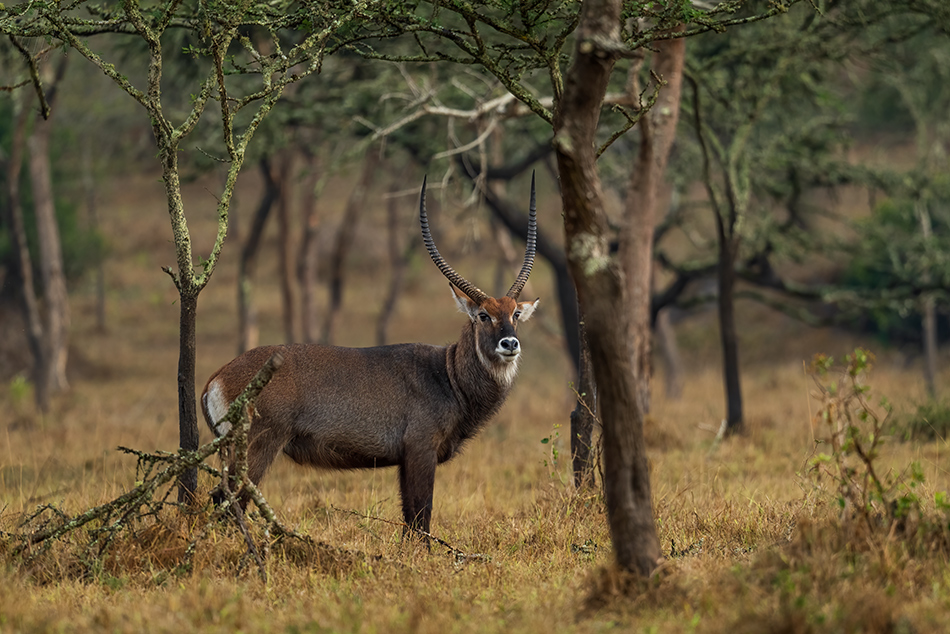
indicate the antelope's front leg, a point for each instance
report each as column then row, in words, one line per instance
column 416, row 483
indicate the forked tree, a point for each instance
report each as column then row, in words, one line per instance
column 244, row 78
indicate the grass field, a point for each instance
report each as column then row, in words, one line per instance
column 754, row 543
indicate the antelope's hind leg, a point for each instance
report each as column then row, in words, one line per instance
column 263, row 445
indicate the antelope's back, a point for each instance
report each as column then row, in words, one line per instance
column 338, row 391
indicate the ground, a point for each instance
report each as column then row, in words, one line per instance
column 754, row 543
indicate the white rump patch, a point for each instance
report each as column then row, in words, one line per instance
column 217, row 407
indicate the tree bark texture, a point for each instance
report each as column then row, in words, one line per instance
column 657, row 133
column 344, row 240
column 602, row 289
column 187, row 404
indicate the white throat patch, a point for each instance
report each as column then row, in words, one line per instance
column 504, row 375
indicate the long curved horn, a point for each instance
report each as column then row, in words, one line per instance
column 529, row 248
column 472, row 291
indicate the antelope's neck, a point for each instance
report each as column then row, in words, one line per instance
column 480, row 391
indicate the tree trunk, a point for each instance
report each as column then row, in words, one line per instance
column 928, row 309
column 284, row 250
column 247, row 314
column 89, row 185
column 307, row 257
column 21, row 251
column 728, row 337
column 398, row 260
column 666, row 337
column 602, row 290
column 344, row 240
column 56, row 301
column 584, row 418
column 187, row 407
column 657, row 132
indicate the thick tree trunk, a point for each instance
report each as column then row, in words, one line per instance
column 657, row 132
column 602, row 290
column 307, row 257
column 344, row 240
column 247, row 314
column 56, row 301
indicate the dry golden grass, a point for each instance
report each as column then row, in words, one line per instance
column 753, row 544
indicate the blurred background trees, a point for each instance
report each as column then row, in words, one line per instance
column 775, row 120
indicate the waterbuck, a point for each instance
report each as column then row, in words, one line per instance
column 410, row 405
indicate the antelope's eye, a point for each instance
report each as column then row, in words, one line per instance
column 484, row 316
column 517, row 315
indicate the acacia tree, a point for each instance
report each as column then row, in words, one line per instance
column 524, row 48
column 239, row 75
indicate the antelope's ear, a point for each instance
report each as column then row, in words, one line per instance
column 465, row 304
column 526, row 309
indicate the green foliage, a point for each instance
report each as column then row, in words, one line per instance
column 854, row 431
column 891, row 263
column 929, row 421
column 20, row 389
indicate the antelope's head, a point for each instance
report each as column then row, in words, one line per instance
column 495, row 320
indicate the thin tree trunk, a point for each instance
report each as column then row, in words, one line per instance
column 56, row 300
column 247, row 314
column 89, row 185
column 584, row 418
column 344, row 240
column 928, row 309
column 398, row 260
column 284, row 251
column 307, row 257
column 187, row 408
column 21, row 250
column 602, row 290
column 728, row 337
column 666, row 338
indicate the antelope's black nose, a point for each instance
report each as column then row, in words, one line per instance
column 509, row 344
